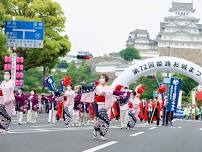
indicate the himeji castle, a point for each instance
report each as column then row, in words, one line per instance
column 180, row 34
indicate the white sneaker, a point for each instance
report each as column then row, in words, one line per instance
column 103, row 138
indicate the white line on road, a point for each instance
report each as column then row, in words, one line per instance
column 42, row 126
column 101, row 146
column 152, row 128
column 136, row 134
column 176, row 127
column 25, row 131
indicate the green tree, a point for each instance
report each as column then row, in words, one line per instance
column 150, row 83
column 56, row 44
column 62, row 65
column 4, row 4
column 187, row 85
column 32, row 79
column 80, row 75
column 129, row 54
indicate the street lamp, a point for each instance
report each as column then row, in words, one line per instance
column 168, row 54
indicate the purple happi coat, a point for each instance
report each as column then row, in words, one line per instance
column 21, row 102
column 77, row 101
column 33, row 100
column 51, row 101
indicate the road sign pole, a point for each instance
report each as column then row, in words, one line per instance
column 13, row 66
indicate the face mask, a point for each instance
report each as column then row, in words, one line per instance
column 19, row 91
column 126, row 90
column 32, row 93
column 69, row 88
column 102, row 81
column 6, row 77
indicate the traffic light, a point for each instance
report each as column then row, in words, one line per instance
column 84, row 55
column 19, row 71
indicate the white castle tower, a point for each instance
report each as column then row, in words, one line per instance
column 181, row 34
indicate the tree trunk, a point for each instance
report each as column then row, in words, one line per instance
column 43, row 78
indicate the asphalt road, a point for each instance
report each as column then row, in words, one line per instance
column 184, row 136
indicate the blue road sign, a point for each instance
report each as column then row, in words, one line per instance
column 24, row 34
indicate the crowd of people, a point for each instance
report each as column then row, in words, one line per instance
column 98, row 103
column 193, row 112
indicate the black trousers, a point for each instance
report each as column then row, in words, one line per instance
column 156, row 114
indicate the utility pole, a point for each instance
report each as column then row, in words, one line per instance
column 168, row 54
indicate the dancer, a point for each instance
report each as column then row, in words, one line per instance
column 6, row 102
column 131, row 117
column 52, row 107
column 104, row 99
column 77, row 103
column 21, row 99
column 32, row 107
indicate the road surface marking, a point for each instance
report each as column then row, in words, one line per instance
column 24, row 131
column 176, row 127
column 101, row 146
column 152, row 128
column 42, row 126
column 136, row 134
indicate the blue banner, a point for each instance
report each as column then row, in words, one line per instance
column 51, row 85
column 179, row 113
column 174, row 90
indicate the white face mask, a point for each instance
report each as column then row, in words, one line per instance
column 32, row 93
column 19, row 91
column 102, row 81
column 69, row 88
column 6, row 77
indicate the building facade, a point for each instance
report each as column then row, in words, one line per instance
column 181, row 34
column 140, row 40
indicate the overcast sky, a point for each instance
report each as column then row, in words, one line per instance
column 102, row 26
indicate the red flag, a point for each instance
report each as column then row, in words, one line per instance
column 199, row 95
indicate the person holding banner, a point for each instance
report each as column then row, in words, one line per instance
column 104, row 100
column 87, row 98
column 155, row 112
column 6, row 102
column 143, row 114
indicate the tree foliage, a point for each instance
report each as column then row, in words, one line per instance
column 187, row 85
column 3, row 49
column 150, row 83
column 80, row 75
column 56, row 44
column 129, row 54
